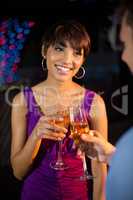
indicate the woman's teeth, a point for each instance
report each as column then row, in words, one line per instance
column 63, row 69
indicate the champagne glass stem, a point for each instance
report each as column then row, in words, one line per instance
column 86, row 175
column 59, row 163
column 59, row 152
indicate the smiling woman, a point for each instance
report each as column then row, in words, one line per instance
column 65, row 47
column 63, row 61
column 67, row 54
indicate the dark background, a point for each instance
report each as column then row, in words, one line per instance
column 105, row 72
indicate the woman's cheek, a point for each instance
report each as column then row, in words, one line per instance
column 78, row 63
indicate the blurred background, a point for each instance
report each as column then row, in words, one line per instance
column 22, row 24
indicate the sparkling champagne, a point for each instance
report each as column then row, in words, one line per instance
column 78, row 128
column 62, row 121
column 60, row 118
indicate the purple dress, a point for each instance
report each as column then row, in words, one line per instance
column 43, row 182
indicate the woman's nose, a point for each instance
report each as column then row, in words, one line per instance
column 68, row 57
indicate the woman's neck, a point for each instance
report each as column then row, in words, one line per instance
column 60, row 86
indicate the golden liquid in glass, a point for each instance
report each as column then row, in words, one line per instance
column 78, row 128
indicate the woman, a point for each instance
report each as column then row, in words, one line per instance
column 64, row 48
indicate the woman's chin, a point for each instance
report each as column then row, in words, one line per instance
column 63, row 78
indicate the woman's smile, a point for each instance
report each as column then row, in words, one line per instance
column 63, row 70
column 63, row 63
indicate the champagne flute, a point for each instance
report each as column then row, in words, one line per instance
column 61, row 119
column 79, row 125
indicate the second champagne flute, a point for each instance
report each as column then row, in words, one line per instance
column 79, row 125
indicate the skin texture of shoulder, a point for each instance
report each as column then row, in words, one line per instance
column 19, row 103
column 98, row 113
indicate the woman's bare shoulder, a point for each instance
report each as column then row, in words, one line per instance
column 98, row 99
column 98, row 105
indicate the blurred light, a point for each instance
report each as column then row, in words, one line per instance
column 13, row 35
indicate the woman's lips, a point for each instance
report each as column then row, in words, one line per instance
column 63, row 70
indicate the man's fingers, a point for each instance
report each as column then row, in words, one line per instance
column 87, row 137
column 90, row 138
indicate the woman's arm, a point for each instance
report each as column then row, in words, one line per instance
column 23, row 149
column 99, row 123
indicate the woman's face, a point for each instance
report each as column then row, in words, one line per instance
column 126, row 36
column 63, row 62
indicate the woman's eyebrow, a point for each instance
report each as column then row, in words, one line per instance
column 61, row 44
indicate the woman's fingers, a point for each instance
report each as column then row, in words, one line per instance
column 51, row 124
column 53, row 128
column 49, row 130
column 53, row 136
column 50, row 133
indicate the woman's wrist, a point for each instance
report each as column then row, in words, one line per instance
column 36, row 136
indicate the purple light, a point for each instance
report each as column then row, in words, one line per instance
column 20, row 36
column 2, row 40
column 13, row 34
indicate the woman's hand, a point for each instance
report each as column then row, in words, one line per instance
column 104, row 149
column 50, row 128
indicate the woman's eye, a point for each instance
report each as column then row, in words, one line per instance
column 78, row 53
column 59, row 48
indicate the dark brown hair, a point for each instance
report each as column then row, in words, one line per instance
column 126, row 10
column 67, row 31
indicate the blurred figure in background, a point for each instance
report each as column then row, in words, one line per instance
column 120, row 175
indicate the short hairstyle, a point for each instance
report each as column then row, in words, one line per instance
column 67, row 31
